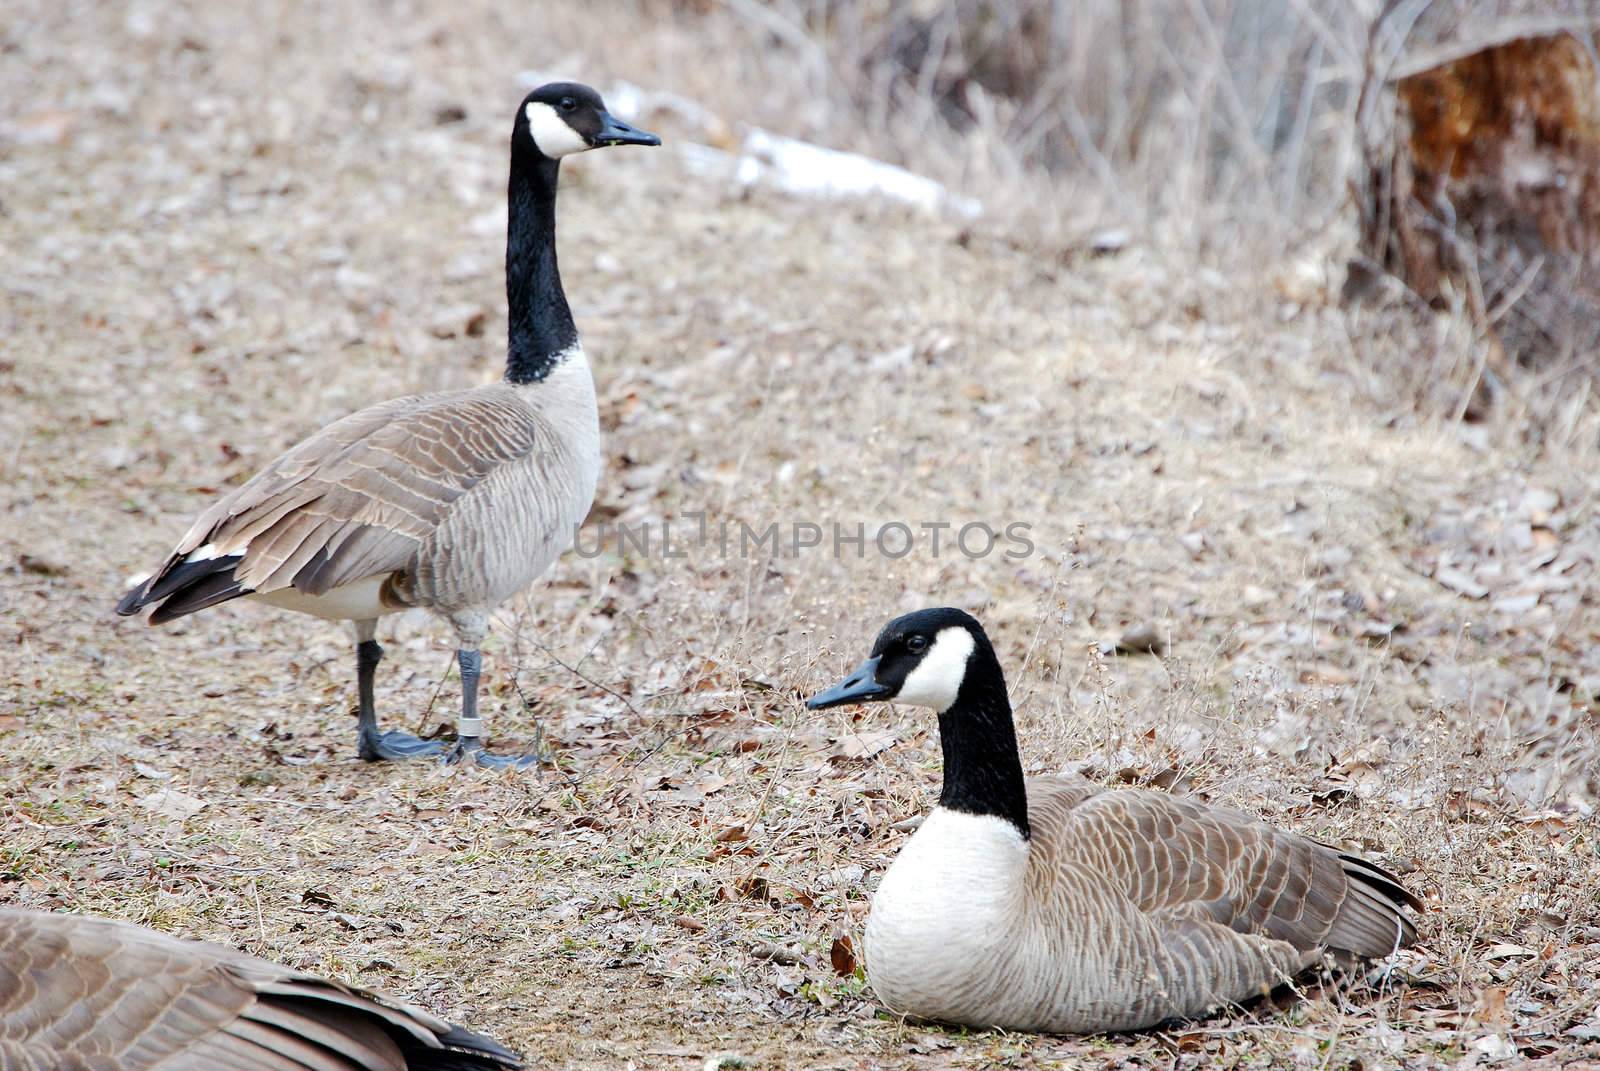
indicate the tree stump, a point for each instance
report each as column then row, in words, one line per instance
column 1488, row 182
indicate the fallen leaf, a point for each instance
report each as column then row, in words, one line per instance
column 843, row 956
column 858, row 746
column 799, row 896
column 725, row 1060
column 845, row 877
column 1494, row 1046
column 1324, row 674
column 1460, row 582
column 33, row 563
column 1507, row 951
column 1515, row 604
column 776, row 953
column 1490, row 1008
column 1141, row 639
column 170, row 803
column 1331, row 797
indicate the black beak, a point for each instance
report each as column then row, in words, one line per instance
column 614, row 131
column 860, row 687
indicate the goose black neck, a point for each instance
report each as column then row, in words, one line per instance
column 982, row 769
column 541, row 324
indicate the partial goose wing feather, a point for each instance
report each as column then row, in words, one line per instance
column 1371, row 922
column 1184, row 861
column 355, row 500
column 81, row 992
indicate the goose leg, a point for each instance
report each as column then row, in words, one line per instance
column 370, row 743
column 471, row 628
column 469, row 727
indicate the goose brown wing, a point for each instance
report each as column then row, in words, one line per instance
column 1180, row 860
column 80, row 992
column 355, row 500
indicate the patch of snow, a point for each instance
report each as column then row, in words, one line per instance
column 810, row 170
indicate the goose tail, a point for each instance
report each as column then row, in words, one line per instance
column 1375, row 918
column 182, row 587
column 461, row 1050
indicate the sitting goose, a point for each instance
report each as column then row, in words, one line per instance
column 1052, row 904
column 78, row 992
column 452, row 501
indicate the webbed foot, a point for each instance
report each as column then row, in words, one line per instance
column 395, row 745
column 471, row 749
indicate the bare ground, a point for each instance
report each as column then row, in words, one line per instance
column 218, row 232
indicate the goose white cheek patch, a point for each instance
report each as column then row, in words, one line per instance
column 937, row 678
column 551, row 132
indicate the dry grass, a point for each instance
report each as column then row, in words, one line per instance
column 1185, row 120
column 219, row 233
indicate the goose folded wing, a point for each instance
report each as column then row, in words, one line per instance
column 1184, row 861
column 354, row 500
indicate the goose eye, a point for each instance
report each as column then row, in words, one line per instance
column 916, row 644
column 568, row 104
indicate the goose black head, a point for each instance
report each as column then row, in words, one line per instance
column 563, row 118
column 920, row 658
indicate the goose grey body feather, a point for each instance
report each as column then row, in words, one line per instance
column 82, row 993
column 452, row 501
column 1121, row 909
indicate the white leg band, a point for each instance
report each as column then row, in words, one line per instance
column 469, row 726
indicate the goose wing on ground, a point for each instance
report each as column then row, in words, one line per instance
column 79, row 992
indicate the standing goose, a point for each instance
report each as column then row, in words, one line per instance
column 79, row 993
column 452, row 501
column 1052, row 904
